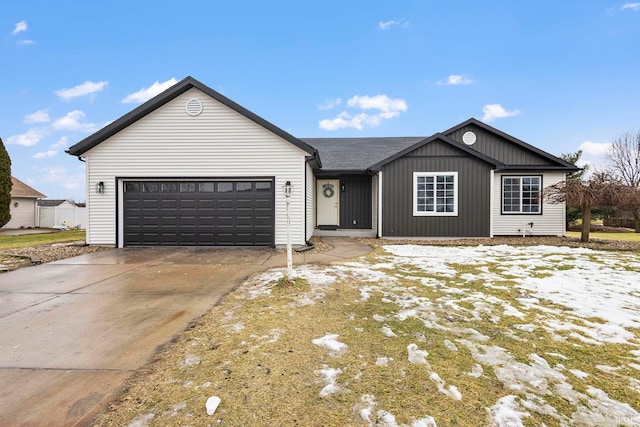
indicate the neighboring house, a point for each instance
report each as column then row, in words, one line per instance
column 191, row 167
column 23, row 205
column 53, row 213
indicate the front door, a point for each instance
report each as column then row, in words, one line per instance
column 328, row 198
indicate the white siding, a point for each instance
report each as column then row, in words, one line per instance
column 374, row 203
column 24, row 215
column 311, row 198
column 550, row 223
column 169, row 143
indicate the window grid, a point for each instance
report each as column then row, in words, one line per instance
column 521, row 195
column 435, row 194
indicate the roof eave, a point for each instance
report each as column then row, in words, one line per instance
column 154, row 103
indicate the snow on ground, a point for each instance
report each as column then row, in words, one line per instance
column 570, row 293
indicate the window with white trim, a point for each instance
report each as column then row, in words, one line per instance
column 521, row 194
column 435, row 193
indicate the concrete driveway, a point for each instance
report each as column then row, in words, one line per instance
column 72, row 331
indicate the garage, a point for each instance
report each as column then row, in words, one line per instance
column 212, row 212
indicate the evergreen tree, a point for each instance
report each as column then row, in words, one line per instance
column 5, row 185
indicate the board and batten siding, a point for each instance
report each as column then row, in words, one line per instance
column 499, row 148
column 550, row 223
column 474, row 209
column 218, row 143
column 310, row 201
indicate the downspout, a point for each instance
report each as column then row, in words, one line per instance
column 380, row 204
column 309, row 244
column 492, row 204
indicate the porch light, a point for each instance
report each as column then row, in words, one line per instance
column 286, row 188
column 100, row 187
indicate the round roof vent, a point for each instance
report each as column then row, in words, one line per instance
column 469, row 138
column 193, row 107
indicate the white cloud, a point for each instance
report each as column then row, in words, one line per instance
column 386, row 25
column 53, row 150
column 20, row 27
column 45, row 154
column 455, row 79
column 146, row 94
column 594, row 148
column 29, row 138
column 74, row 120
column 496, row 111
column 388, row 108
column 85, row 88
column 593, row 155
column 631, row 6
column 329, row 104
column 40, row 116
column 62, row 177
column 379, row 102
column 62, row 143
column 26, row 42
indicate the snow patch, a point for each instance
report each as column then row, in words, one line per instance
column 416, row 355
column 388, row 332
column 331, row 342
column 212, row 404
column 330, row 377
column 505, row 413
column 451, row 391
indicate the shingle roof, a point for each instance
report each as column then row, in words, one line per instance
column 53, row 202
column 358, row 154
column 20, row 189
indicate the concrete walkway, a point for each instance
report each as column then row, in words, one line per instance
column 73, row 331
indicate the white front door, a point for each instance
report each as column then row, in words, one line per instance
column 328, row 197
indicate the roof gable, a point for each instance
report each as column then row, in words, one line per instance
column 20, row 189
column 447, row 141
column 512, row 152
column 179, row 88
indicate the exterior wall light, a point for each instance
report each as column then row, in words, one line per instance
column 100, row 187
column 287, row 189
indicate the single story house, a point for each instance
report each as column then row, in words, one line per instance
column 191, row 167
column 23, row 205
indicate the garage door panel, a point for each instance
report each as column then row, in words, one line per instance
column 198, row 213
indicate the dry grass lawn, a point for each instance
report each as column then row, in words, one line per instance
column 390, row 341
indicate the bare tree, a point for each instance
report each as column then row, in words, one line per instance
column 623, row 160
column 585, row 195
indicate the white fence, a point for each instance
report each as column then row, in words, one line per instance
column 72, row 216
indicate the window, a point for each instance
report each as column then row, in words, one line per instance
column 521, row 194
column 435, row 194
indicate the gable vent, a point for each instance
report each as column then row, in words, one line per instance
column 469, row 138
column 193, row 107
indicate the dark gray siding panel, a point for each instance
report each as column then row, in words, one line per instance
column 500, row 149
column 474, row 185
column 355, row 202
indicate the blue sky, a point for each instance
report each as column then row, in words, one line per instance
column 561, row 75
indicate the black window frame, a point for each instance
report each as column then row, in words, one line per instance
column 521, row 195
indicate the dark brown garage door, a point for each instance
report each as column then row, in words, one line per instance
column 199, row 213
